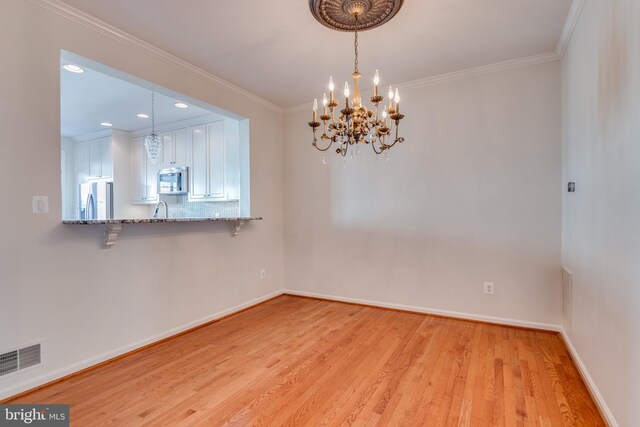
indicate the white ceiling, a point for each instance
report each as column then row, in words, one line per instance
column 92, row 97
column 278, row 51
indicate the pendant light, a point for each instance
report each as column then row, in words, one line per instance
column 152, row 142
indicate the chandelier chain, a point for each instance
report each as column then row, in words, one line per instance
column 355, row 44
column 153, row 112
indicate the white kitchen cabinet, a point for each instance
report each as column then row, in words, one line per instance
column 198, row 172
column 174, row 148
column 93, row 159
column 145, row 175
column 100, row 158
column 180, row 147
column 82, row 161
column 207, row 161
column 167, row 148
column 216, row 160
column 106, row 146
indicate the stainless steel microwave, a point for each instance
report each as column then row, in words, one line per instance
column 173, row 181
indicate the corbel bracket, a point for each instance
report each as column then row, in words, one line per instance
column 235, row 227
column 111, row 234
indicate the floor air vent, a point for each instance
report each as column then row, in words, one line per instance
column 23, row 358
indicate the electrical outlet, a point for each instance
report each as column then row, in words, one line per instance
column 263, row 274
column 488, row 288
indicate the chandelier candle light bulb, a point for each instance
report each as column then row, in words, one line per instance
column 376, row 82
column 347, row 92
column 331, row 88
column 390, row 97
column 315, row 109
column 396, row 99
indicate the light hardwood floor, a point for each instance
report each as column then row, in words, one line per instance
column 297, row 361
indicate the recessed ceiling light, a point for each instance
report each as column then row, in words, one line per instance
column 73, row 68
column 181, row 105
column 106, row 124
column 143, row 115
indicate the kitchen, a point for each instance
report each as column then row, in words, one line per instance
column 134, row 152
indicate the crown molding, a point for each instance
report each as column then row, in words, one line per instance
column 88, row 21
column 459, row 75
column 497, row 67
column 569, row 26
column 298, row 108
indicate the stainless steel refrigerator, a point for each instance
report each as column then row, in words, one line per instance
column 96, row 200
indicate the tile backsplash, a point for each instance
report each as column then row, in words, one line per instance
column 181, row 207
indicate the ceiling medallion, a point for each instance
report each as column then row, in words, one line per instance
column 356, row 124
column 339, row 14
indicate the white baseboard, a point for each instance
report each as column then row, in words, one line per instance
column 434, row 311
column 595, row 393
column 60, row 373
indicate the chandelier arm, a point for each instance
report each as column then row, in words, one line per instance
column 396, row 140
column 392, row 144
column 315, row 142
column 373, row 145
column 323, row 149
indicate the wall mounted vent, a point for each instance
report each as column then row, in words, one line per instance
column 567, row 300
column 22, row 358
column 8, row 362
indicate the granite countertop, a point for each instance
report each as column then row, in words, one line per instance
column 155, row 220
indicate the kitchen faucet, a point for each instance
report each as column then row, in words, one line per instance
column 157, row 209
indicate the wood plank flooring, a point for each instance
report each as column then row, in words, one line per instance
column 297, row 362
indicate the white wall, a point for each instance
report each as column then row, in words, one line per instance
column 58, row 284
column 473, row 195
column 601, row 221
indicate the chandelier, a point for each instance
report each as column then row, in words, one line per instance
column 355, row 123
column 152, row 142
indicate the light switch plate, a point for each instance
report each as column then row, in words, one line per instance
column 40, row 205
